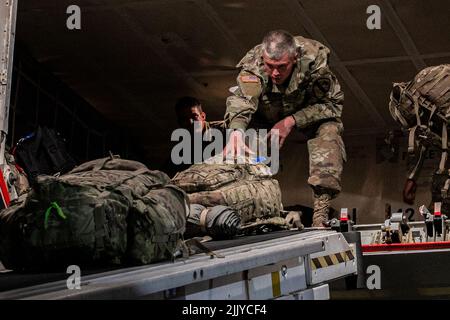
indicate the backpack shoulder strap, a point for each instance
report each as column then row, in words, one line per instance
column 444, row 148
column 416, row 169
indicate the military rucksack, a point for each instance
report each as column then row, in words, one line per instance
column 247, row 188
column 423, row 107
column 43, row 152
column 106, row 211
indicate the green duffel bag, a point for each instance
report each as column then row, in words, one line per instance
column 157, row 224
column 82, row 217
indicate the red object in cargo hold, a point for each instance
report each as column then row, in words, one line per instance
column 405, row 246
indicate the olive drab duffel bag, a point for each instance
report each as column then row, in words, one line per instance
column 247, row 188
column 106, row 211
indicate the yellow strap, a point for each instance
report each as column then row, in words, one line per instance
column 276, row 286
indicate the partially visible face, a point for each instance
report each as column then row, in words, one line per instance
column 279, row 70
column 187, row 117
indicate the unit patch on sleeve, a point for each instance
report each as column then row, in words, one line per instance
column 249, row 79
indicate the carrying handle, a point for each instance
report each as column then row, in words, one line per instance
column 53, row 205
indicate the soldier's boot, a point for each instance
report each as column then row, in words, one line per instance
column 321, row 209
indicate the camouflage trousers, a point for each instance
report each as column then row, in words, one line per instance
column 326, row 158
column 326, row 154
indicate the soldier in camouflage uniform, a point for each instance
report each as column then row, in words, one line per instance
column 285, row 82
column 188, row 110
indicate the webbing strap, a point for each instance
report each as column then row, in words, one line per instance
column 411, row 139
column 203, row 216
column 433, row 110
column 444, row 148
column 101, row 164
column 133, row 174
column 400, row 117
column 442, row 93
column 444, row 190
column 416, row 111
column 197, row 242
column 419, row 163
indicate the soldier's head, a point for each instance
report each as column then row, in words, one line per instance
column 279, row 55
column 188, row 110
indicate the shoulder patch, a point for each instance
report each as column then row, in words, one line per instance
column 321, row 87
column 249, row 79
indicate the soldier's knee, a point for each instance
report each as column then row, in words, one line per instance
column 330, row 129
column 329, row 137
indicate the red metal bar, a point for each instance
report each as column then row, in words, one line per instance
column 405, row 246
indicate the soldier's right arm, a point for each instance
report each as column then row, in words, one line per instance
column 244, row 102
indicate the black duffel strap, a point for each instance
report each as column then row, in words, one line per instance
column 198, row 242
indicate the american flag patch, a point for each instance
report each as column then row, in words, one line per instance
column 249, row 79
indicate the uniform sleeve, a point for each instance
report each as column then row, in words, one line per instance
column 244, row 102
column 325, row 99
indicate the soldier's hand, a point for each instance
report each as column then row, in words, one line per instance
column 409, row 191
column 236, row 146
column 284, row 128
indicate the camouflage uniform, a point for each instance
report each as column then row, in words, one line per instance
column 315, row 100
column 219, row 125
column 171, row 169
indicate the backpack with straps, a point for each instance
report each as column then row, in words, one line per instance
column 106, row 211
column 247, row 188
column 423, row 107
column 43, row 152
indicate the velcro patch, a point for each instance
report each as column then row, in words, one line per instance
column 249, row 79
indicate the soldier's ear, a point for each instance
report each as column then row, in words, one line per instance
column 203, row 115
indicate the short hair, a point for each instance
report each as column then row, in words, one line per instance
column 277, row 43
column 187, row 102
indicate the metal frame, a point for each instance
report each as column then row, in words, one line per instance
column 371, row 232
column 8, row 13
column 269, row 269
column 334, row 244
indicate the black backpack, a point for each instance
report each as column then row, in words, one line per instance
column 43, row 152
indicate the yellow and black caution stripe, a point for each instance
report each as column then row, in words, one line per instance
column 332, row 259
column 276, row 286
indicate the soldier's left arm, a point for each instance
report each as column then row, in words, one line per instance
column 325, row 99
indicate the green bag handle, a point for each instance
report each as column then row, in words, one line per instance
column 53, row 205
